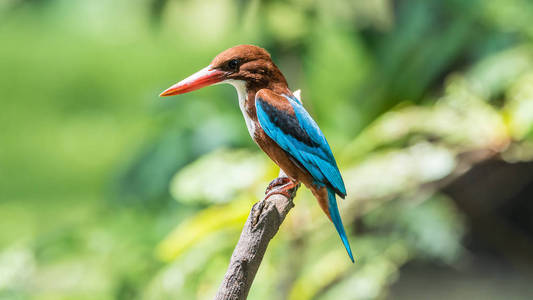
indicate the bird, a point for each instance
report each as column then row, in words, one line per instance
column 278, row 123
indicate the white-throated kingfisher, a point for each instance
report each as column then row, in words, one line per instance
column 278, row 123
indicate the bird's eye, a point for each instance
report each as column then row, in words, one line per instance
column 233, row 64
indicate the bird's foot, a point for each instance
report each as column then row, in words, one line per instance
column 281, row 186
column 287, row 189
column 278, row 182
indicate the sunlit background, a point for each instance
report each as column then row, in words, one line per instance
column 109, row 192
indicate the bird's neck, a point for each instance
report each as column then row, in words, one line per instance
column 246, row 104
column 246, row 93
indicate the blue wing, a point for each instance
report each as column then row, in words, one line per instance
column 296, row 132
column 285, row 120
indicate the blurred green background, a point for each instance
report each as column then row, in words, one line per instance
column 109, row 192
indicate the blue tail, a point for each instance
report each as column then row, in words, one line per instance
column 336, row 218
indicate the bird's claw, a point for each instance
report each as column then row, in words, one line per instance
column 294, row 190
column 288, row 189
column 281, row 186
column 280, row 181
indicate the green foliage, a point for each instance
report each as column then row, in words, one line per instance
column 109, row 192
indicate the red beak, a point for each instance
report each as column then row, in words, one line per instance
column 198, row 80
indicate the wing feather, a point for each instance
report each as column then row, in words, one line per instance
column 285, row 120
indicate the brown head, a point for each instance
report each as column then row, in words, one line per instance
column 249, row 64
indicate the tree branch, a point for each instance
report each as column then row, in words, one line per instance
column 262, row 224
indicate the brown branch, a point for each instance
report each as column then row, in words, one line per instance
column 262, row 224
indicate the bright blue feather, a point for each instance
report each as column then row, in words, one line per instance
column 336, row 218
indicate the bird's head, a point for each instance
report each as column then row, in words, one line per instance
column 249, row 64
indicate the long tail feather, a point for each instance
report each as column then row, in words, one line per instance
column 336, row 219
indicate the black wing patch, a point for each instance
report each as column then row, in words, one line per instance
column 287, row 123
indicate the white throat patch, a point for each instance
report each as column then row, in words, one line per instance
column 240, row 86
